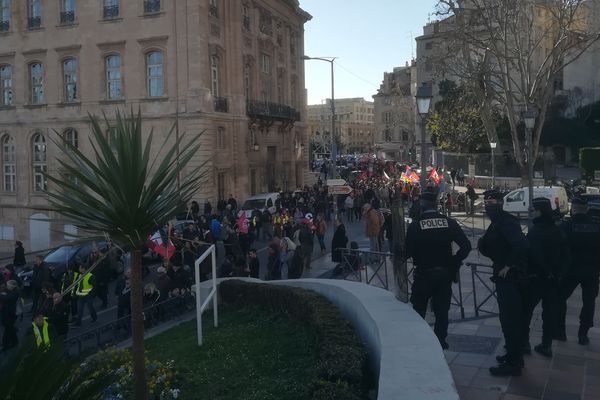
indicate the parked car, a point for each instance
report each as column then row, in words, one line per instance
column 517, row 201
column 593, row 204
column 260, row 202
column 59, row 259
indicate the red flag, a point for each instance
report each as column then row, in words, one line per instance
column 414, row 178
column 435, row 176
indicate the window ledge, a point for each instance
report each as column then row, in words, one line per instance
column 69, row 104
column 151, row 99
column 156, row 14
column 67, row 26
column 40, row 29
column 34, row 106
column 110, row 20
column 112, row 101
column 5, row 33
column 7, row 108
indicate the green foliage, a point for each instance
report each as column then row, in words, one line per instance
column 589, row 158
column 456, row 125
column 252, row 355
column 341, row 355
column 123, row 190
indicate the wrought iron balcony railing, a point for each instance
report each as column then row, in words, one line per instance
column 263, row 109
column 213, row 11
column 111, row 12
column 221, row 104
column 67, row 17
column 152, row 6
column 34, row 22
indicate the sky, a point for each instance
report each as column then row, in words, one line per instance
column 370, row 37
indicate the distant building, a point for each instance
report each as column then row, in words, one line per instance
column 395, row 115
column 230, row 69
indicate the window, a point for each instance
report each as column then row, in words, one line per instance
column 39, row 163
column 387, row 117
column 36, row 74
column 70, row 80
column 67, row 12
column 7, row 232
column 213, row 8
column 247, row 80
column 265, row 64
column 111, row 9
column 9, row 164
column 35, row 14
column 516, row 196
column 214, row 74
column 266, row 22
column 404, row 136
column 246, row 17
column 151, row 6
column 71, row 137
column 387, row 134
column 6, row 93
column 4, row 15
column 221, row 185
column 154, row 61
column 220, row 137
column 113, row 77
column 388, row 101
column 428, row 45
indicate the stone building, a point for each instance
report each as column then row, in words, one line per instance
column 395, row 115
column 354, row 124
column 229, row 68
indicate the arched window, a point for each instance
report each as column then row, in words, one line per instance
column 113, row 77
column 154, row 72
column 9, row 164
column 6, row 94
column 214, row 74
column 70, row 80
column 39, row 163
column 36, row 74
column 71, row 137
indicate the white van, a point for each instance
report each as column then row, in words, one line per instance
column 517, row 201
column 260, row 202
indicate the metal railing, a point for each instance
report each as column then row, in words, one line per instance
column 4, row 26
column 263, row 109
column 34, row 22
column 200, row 307
column 373, row 268
column 119, row 330
column 67, row 17
column 111, row 12
column 221, row 104
column 151, row 6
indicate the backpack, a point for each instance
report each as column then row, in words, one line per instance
column 295, row 268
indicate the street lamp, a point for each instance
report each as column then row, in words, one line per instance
column 493, row 147
column 423, row 97
column 333, row 135
column 529, row 118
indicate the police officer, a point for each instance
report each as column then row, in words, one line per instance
column 583, row 236
column 429, row 242
column 506, row 246
column 549, row 255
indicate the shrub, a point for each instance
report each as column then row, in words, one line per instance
column 589, row 158
column 341, row 365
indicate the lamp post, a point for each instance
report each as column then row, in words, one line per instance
column 529, row 118
column 493, row 147
column 423, row 98
column 333, row 135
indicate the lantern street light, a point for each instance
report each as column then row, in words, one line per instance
column 530, row 118
column 423, row 98
column 493, row 147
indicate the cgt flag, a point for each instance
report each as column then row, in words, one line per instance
column 435, row 176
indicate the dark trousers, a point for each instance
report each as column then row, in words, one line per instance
column 358, row 213
column 73, row 302
column 321, row 239
column 102, row 293
column 589, row 291
column 9, row 337
column 546, row 291
column 510, row 306
column 36, row 294
column 437, row 286
column 306, row 256
column 89, row 302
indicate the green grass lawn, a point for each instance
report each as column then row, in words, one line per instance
column 252, row 355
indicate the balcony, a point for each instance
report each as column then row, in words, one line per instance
column 4, row 25
column 67, row 17
column 151, row 6
column 246, row 22
column 213, row 11
column 221, row 104
column 274, row 111
column 111, row 12
column 34, row 22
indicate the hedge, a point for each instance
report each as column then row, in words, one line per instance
column 589, row 159
column 342, row 371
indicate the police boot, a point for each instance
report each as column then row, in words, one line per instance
column 544, row 348
column 506, row 369
column 561, row 336
column 526, row 349
column 504, row 359
column 583, row 337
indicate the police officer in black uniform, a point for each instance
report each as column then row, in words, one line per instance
column 429, row 242
column 583, row 235
column 505, row 244
column 549, row 256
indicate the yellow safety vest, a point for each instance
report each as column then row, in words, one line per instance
column 277, row 221
column 84, row 286
column 41, row 339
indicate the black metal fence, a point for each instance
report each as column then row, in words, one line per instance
column 119, row 330
column 271, row 110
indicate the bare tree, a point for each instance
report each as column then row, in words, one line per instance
column 515, row 51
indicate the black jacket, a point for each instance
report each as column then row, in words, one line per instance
column 505, row 244
column 19, row 258
column 58, row 316
column 429, row 241
column 583, row 236
column 40, row 275
column 339, row 241
column 8, row 306
column 549, row 253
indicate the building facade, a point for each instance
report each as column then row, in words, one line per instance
column 395, row 115
column 354, row 125
column 229, row 69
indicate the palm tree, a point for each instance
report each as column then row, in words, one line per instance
column 125, row 192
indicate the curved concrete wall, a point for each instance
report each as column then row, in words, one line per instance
column 403, row 347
